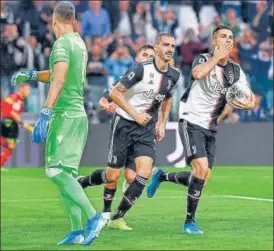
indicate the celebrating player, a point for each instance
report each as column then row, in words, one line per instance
column 139, row 95
column 63, row 123
column 11, row 109
column 200, row 108
column 105, row 103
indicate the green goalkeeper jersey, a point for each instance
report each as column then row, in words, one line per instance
column 72, row 49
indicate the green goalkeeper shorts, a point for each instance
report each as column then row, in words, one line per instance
column 66, row 141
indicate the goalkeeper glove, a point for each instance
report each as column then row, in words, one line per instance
column 40, row 131
column 23, row 76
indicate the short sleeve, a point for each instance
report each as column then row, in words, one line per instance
column 200, row 59
column 106, row 95
column 132, row 76
column 60, row 51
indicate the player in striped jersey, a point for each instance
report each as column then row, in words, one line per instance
column 200, row 107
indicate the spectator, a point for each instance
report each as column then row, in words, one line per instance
column 95, row 65
column 34, row 56
column 141, row 18
column 80, row 8
column 204, row 36
column 165, row 21
column 125, row 23
column 119, row 62
column 14, row 45
column 37, row 19
column 96, row 72
column 261, row 21
column 262, row 83
column 233, row 22
column 247, row 48
column 235, row 5
column 95, row 21
column 188, row 50
column 7, row 15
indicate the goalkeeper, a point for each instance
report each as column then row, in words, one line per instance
column 63, row 122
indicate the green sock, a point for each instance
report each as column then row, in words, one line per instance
column 72, row 189
column 73, row 211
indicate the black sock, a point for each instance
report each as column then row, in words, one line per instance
column 181, row 178
column 194, row 193
column 133, row 192
column 98, row 177
column 108, row 198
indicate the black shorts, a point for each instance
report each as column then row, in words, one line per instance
column 9, row 129
column 198, row 142
column 128, row 138
column 130, row 163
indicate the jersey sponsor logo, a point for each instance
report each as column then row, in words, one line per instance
column 215, row 86
column 153, row 95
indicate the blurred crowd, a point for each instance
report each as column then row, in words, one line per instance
column 114, row 30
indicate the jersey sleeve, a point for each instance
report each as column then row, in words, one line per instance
column 61, row 51
column 106, row 95
column 199, row 59
column 132, row 76
column 10, row 99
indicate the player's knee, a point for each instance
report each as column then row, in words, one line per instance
column 145, row 172
column 200, row 167
column 113, row 175
column 112, row 185
column 207, row 176
column 130, row 176
column 11, row 145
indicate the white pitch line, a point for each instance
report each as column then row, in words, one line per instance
column 156, row 197
column 247, row 198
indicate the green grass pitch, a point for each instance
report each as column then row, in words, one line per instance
column 33, row 217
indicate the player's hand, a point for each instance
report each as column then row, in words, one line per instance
column 223, row 51
column 40, row 131
column 160, row 131
column 23, row 76
column 143, row 118
column 111, row 107
column 247, row 104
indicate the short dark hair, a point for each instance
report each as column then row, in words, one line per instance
column 65, row 11
column 145, row 47
column 159, row 37
column 220, row 27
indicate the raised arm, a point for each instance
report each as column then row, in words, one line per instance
column 202, row 67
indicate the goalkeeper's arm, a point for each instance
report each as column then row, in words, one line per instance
column 24, row 76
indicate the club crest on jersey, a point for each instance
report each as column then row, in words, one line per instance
column 230, row 77
column 153, row 95
column 151, row 75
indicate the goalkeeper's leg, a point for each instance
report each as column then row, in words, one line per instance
column 74, row 192
column 68, row 185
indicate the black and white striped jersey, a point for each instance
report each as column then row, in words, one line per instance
column 204, row 100
column 148, row 87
